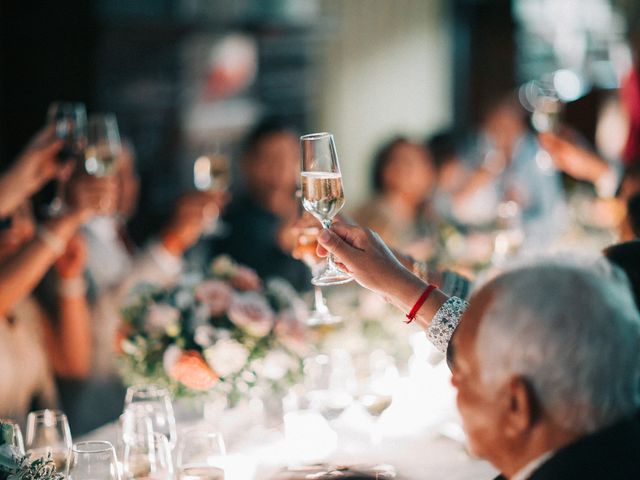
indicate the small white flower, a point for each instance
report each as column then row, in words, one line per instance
column 226, row 357
column 277, row 364
column 183, row 299
column 204, row 335
column 129, row 347
column 162, row 315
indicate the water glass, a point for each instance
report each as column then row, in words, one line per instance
column 92, row 461
column 156, row 402
column 12, row 430
column 48, row 433
column 201, row 455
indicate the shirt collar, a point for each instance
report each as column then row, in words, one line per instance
column 525, row 472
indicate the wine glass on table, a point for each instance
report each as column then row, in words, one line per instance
column 212, row 173
column 148, row 457
column 103, row 145
column 91, row 461
column 155, row 403
column 201, row 455
column 322, row 194
column 12, row 435
column 306, row 232
column 48, row 434
column 70, row 122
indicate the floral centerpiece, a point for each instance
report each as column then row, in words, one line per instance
column 15, row 466
column 225, row 332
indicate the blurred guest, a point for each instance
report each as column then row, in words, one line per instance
column 515, row 355
column 632, row 219
column 115, row 265
column 35, row 344
column 512, row 169
column 403, row 180
column 259, row 216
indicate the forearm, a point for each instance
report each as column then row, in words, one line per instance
column 73, row 346
column 21, row 273
column 10, row 196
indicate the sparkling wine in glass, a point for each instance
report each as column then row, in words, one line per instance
column 322, row 194
column 212, row 173
column 92, row 461
column 103, row 145
column 70, row 122
column 48, row 434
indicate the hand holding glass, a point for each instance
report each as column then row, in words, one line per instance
column 322, row 193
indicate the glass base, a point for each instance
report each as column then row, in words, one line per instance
column 331, row 278
column 317, row 318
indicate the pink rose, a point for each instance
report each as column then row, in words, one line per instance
column 251, row 312
column 245, row 279
column 161, row 316
column 216, row 295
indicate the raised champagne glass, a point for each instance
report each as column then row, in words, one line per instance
column 70, row 122
column 322, row 193
column 103, row 145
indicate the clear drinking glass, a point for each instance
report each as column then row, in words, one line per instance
column 103, row 145
column 92, row 461
column 322, row 193
column 306, row 233
column 212, row 173
column 12, row 430
column 48, row 433
column 70, row 122
column 156, row 402
column 148, row 457
column 201, row 456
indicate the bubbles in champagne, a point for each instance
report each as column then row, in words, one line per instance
column 322, row 194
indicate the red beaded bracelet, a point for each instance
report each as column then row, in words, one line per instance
column 423, row 298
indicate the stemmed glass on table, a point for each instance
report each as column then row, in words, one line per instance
column 92, row 461
column 70, row 122
column 155, row 403
column 200, row 456
column 322, row 194
column 16, row 441
column 306, row 233
column 48, row 433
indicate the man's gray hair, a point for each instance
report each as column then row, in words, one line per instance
column 573, row 332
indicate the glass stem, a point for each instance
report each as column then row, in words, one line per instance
column 320, row 306
column 331, row 264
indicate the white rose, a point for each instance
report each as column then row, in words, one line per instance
column 204, row 335
column 226, row 357
column 161, row 316
column 276, row 365
column 251, row 312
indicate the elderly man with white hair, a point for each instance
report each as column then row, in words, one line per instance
column 546, row 359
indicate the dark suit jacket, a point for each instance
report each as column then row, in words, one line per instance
column 610, row 454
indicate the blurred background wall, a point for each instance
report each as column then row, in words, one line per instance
column 386, row 69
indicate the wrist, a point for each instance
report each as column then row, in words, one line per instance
column 74, row 287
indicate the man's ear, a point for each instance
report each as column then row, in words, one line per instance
column 522, row 410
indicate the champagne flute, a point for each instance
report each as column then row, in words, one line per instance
column 306, row 233
column 212, row 173
column 155, row 402
column 103, row 145
column 48, row 434
column 70, row 122
column 322, row 193
column 92, row 461
column 12, row 435
column 201, row 455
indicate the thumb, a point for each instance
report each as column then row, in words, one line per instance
column 334, row 244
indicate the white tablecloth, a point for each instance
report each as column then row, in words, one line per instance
column 415, row 435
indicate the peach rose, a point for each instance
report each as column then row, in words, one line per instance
column 192, row 371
